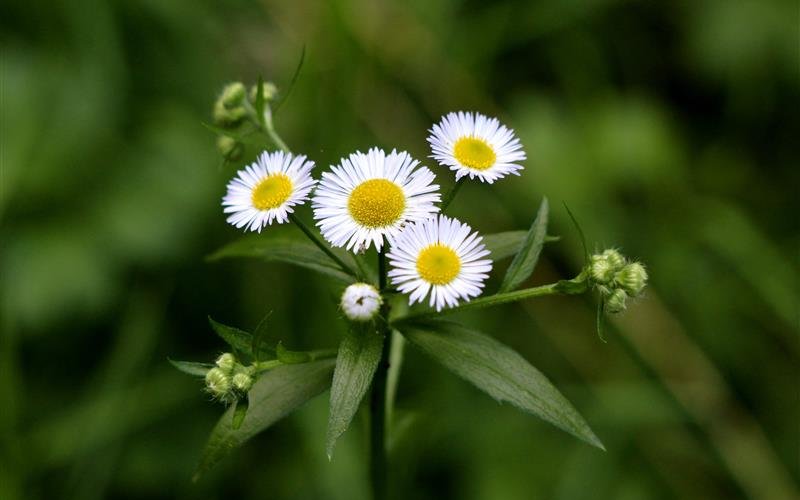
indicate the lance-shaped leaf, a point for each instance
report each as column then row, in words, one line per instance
column 358, row 358
column 192, row 367
column 525, row 261
column 508, row 243
column 499, row 371
column 276, row 394
column 284, row 248
column 238, row 339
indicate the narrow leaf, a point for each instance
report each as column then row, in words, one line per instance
column 191, row 367
column 240, row 340
column 580, row 233
column 525, row 261
column 359, row 355
column 282, row 248
column 276, row 394
column 507, row 244
column 259, row 336
column 288, row 357
column 239, row 412
column 293, row 81
column 500, row 372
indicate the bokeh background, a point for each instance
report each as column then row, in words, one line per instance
column 669, row 128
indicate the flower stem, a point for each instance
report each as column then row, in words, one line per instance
column 448, row 198
column 269, row 128
column 322, row 246
column 497, row 299
column 377, row 404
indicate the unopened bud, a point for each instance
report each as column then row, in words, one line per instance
column 232, row 95
column 361, row 302
column 226, row 362
column 229, row 108
column 632, row 278
column 604, row 266
column 270, row 91
column 217, row 382
column 616, row 301
column 242, row 382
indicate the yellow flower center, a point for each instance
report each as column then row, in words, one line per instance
column 272, row 191
column 474, row 153
column 438, row 264
column 376, row 203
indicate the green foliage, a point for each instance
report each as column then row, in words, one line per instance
column 192, row 367
column 275, row 395
column 500, row 372
column 359, row 354
column 525, row 260
column 275, row 246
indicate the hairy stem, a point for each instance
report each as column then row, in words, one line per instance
column 448, row 198
column 322, row 246
column 378, row 462
column 497, row 299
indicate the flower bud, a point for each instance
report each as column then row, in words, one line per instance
column 242, row 382
column 270, row 91
column 226, row 362
column 616, row 301
column 604, row 266
column 361, row 302
column 232, row 95
column 615, row 259
column 217, row 382
column 229, row 147
column 632, row 278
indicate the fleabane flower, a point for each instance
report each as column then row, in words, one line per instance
column 371, row 196
column 441, row 257
column 267, row 190
column 475, row 145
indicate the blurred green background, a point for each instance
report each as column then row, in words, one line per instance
column 670, row 129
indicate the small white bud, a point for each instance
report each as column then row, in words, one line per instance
column 242, row 382
column 217, row 382
column 226, row 362
column 270, row 91
column 616, row 301
column 632, row 278
column 361, row 302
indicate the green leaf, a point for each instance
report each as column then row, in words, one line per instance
column 191, row 367
column 359, row 355
column 288, row 357
column 260, row 102
column 274, row 395
column 284, row 248
column 238, row 339
column 507, row 244
column 525, row 261
column 293, row 81
column 500, row 372
column 258, row 344
column 580, row 233
column 239, row 412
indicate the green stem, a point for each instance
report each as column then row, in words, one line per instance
column 262, row 366
column 448, row 198
column 378, row 462
column 322, row 246
column 494, row 300
column 269, row 128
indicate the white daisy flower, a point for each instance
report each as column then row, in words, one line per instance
column 267, row 190
column 361, row 302
column 440, row 256
column 475, row 145
column 369, row 196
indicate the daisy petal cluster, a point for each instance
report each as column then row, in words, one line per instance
column 266, row 191
column 372, row 196
column 475, row 145
column 440, row 257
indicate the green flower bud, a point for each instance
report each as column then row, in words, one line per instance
column 226, row 362
column 615, row 259
column 242, row 382
column 229, row 147
column 217, row 382
column 603, row 267
column 616, row 301
column 632, row 278
column 270, row 92
column 232, row 95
